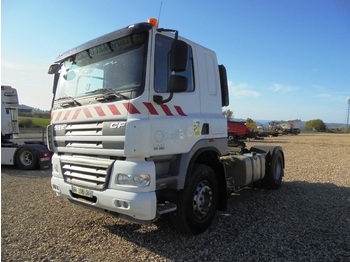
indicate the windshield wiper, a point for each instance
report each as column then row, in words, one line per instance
column 70, row 101
column 108, row 94
column 100, row 90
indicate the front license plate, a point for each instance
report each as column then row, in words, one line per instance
column 82, row 191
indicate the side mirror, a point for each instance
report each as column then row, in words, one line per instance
column 178, row 56
column 177, row 84
column 54, row 69
column 178, row 63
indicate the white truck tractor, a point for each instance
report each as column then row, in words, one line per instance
column 137, row 130
column 27, row 156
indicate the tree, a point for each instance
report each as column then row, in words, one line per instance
column 228, row 114
column 249, row 120
column 316, row 124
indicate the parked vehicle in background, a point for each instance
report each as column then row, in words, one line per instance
column 241, row 130
column 277, row 128
column 31, row 155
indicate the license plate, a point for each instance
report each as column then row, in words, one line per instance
column 82, row 191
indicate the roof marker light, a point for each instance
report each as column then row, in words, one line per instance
column 153, row 21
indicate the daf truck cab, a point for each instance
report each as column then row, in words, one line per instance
column 137, row 130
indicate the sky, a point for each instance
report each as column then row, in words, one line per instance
column 285, row 59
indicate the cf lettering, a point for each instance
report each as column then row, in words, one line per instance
column 117, row 125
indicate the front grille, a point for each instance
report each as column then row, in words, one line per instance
column 86, row 148
column 90, row 138
column 90, row 172
column 84, row 129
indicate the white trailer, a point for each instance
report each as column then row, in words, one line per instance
column 31, row 155
column 137, row 130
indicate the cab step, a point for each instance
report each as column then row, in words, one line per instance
column 166, row 208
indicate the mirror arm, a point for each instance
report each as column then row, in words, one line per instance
column 159, row 99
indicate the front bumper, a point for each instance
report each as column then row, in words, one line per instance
column 139, row 206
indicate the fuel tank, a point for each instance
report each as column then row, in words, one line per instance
column 244, row 169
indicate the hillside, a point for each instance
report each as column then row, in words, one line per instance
column 301, row 124
column 23, row 107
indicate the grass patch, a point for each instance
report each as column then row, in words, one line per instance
column 32, row 122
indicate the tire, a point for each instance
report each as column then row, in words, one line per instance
column 274, row 172
column 197, row 202
column 231, row 136
column 26, row 158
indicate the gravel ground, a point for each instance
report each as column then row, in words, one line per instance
column 307, row 219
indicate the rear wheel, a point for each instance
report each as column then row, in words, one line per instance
column 275, row 172
column 197, row 202
column 26, row 158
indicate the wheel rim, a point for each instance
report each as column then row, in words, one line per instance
column 26, row 158
column 202, row 199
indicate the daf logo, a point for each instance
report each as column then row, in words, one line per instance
column 117, row 125
column 60, row 127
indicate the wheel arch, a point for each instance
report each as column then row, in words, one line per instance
column 209, row 156
column 211, row 159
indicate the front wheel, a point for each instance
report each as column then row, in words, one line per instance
column 197, row 202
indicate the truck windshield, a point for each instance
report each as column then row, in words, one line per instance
column 116, row 66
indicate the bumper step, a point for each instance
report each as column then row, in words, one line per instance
column 166, row 208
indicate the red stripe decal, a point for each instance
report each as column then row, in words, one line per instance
column 87, row 113
column 52, row 116
column 99, row 111
column 179, row 111
column 131, row 108
column 66, row 115
column 114, row 109
column 166, row 110
column 58, row 116
column 76, row 113
column 151, row 109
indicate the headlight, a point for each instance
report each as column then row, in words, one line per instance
column 141, row 180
